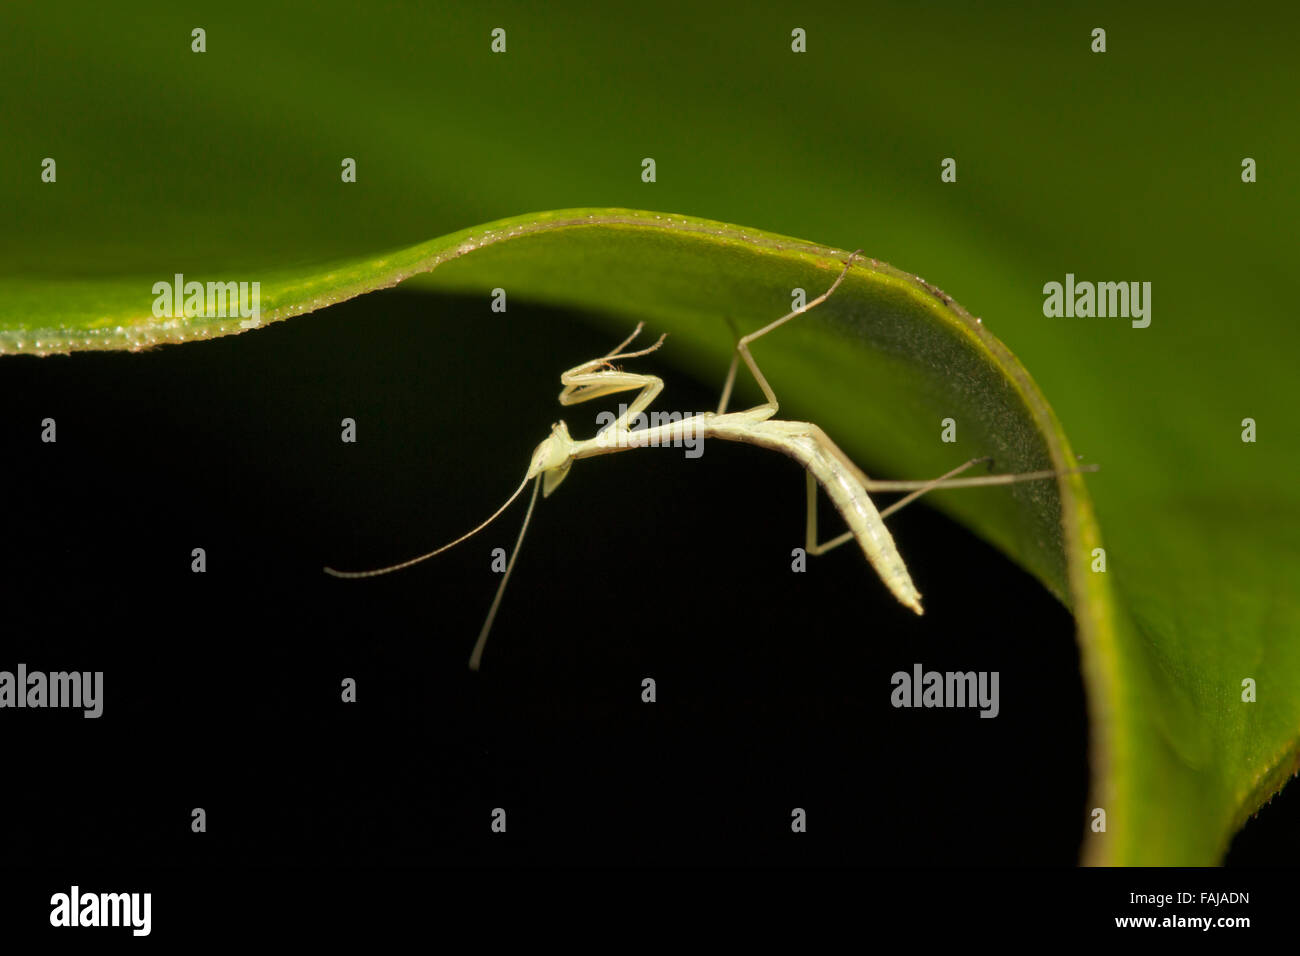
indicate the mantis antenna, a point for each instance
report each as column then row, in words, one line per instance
column 477, row 655
column 425, row 557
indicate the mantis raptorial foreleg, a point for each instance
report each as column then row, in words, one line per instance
column 598, row 378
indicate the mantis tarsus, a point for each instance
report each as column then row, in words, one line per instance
column 847, row 485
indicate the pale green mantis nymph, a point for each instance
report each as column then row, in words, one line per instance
column 824, row 463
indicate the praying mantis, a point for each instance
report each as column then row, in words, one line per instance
column 824, row 462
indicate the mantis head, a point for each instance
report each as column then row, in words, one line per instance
column 552, row 458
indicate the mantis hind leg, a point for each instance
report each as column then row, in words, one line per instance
column 917, row 489
column 812, row 546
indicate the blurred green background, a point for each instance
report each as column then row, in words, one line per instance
column 1117, row 166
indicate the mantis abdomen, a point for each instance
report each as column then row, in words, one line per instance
column 809, row 445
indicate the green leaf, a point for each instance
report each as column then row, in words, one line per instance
column 224, row 166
